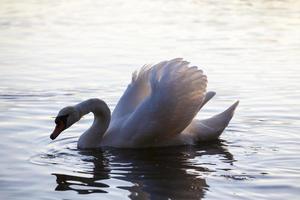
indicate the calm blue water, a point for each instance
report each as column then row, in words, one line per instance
column 58, row 53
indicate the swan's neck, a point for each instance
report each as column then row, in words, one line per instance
column 93, row 136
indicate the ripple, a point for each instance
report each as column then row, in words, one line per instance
column 186, row 167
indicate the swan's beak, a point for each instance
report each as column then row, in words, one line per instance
column 58, row 129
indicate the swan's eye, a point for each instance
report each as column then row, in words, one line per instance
column 61, row 124
column 62, row 118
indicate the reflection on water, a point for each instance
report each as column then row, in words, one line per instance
column 160, row 173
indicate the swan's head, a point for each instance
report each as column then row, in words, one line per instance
column 66, row 117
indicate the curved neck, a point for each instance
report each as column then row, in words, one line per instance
column 93, row 136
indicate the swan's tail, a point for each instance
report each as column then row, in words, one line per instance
column 211, row 128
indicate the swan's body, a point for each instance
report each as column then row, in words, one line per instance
column 157, row 109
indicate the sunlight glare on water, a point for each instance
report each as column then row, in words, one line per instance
column 58, row 53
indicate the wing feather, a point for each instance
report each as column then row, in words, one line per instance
column 136, row 92
column 175, row 93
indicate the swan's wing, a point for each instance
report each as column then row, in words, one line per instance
column 208, row 96
column 136, row 92
column 176, row 94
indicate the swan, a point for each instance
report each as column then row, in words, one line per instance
column 157, row 109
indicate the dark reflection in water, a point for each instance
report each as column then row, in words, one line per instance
column 162, row 173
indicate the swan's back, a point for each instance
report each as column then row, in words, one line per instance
column 160, row 103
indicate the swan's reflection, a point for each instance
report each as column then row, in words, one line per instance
column 161, row 173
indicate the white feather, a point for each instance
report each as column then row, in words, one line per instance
column 164, row 107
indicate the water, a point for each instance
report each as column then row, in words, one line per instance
column 58, row 53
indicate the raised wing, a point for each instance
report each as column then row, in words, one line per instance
column 136, row 92
column 175, row 96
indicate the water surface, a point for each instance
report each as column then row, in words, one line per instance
column 58, row 53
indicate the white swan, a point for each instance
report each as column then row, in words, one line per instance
column 157, row 109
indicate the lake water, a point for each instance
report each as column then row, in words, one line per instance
column 58, row 53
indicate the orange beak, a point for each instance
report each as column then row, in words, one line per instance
column 58, row 129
